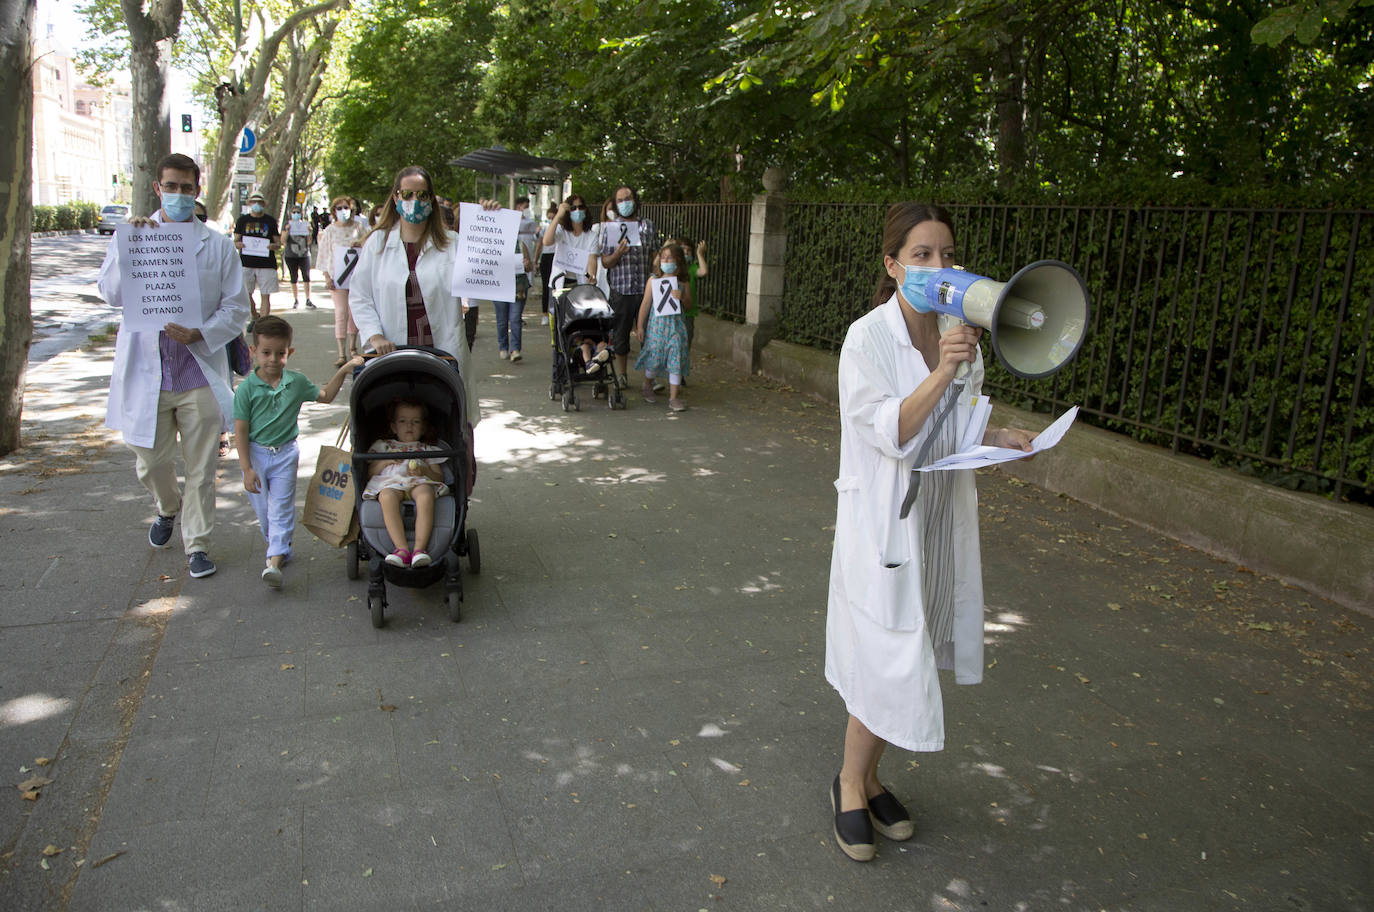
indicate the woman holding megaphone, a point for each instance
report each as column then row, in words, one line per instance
column 906, row 594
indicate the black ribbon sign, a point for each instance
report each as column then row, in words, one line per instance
column 350, row 260
column 665, row 298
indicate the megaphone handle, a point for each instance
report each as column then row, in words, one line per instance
column 945, row 321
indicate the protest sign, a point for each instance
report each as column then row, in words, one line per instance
column 299, row 226
column 666, row 301
column 256, row 246
column 159, row 280
column 345, row 259
column 570, row 259
column 616, row 232
column 488, row 255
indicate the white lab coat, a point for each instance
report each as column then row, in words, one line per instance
column 136, row 379
column 377, row 297
column 878, row 653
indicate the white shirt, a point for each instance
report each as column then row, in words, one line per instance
column 377, row 298
column 136, row 379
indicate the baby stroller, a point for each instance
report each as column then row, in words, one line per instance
column 426, row 375
column 582, row 312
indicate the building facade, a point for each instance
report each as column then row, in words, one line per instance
column 82, row 134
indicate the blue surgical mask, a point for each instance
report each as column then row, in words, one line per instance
column 295, row 216
column 414, row 211
column 668, row 267
column 625, row 207
column 255, row 208
column 914, row 286
column 577, row 215
column 178, row 206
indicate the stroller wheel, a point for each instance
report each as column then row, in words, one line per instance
column 474, row 553
column 567, row 401
column 377, row 609
column 455, row 606
column 553, row 390
column 352, row 560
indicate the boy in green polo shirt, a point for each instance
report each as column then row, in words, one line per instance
column 267, row 407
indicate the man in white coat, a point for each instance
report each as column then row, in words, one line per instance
column 175, row 382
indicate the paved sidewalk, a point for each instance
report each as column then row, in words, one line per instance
column 632, row 713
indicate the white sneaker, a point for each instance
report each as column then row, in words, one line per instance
column 515, row 356
column 272, row 576
column 503, row 355
column 544, row 320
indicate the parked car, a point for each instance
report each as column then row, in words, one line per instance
column 110, row 216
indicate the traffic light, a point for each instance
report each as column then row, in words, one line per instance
column 114, row 180
column 186, row 123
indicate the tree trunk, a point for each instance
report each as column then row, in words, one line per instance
column 1009, row 80
column 150, row 54
column 16, row 210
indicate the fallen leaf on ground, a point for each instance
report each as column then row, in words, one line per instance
column 718, row 880
column 50, row 850
column 287, row 667
column 36, row 782
column 107, row 859
column 387, row 708
column 41, row 761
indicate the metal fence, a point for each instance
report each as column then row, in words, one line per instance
column 1236, row 335
column 1241, row 336
column 725, row 228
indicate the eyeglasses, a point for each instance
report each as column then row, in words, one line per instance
column 421, row 195
column 170, row 187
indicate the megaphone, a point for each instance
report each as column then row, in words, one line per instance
column 1037, row 318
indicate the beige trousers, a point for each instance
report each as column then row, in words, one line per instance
column 195, row 416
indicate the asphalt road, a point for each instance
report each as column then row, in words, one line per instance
column 67, row 309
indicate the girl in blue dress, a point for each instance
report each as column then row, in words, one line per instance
column 665, row 347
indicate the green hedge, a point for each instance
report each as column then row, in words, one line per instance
column 66, row 217
column 1241, row 336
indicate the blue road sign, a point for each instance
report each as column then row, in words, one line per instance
column 247, row 141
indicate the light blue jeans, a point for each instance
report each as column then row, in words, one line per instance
column 508, row 324
column 275, row 502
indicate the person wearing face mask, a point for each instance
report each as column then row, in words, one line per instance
column 259, row 269
column 400, row 293
column 572, row 230
column 627, row 269
column 175, row 383
column 346, row 230
column 663, row 348
column 297, row 257
column 906, row 594
column 510, row 314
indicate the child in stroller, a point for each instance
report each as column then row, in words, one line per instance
column 398, row 402
column 397, row 480
column 581, row 329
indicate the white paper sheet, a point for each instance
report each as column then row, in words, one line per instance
column 160, row 279
column 979, row 456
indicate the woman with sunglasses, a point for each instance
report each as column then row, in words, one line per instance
column 571, row 235
column 400, row 293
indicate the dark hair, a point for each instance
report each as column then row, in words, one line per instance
column 634, row 195
column 901, row 218
column 566, row 220
column 178, row 162
column 388, row 218
column 395, row 405
column 272, row 327
column 522, row 199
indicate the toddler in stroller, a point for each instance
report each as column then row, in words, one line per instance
column 413, row 444
column 582, row 328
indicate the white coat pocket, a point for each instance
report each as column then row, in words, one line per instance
column 882, row 581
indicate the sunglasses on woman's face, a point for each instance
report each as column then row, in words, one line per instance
column 408, row 195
